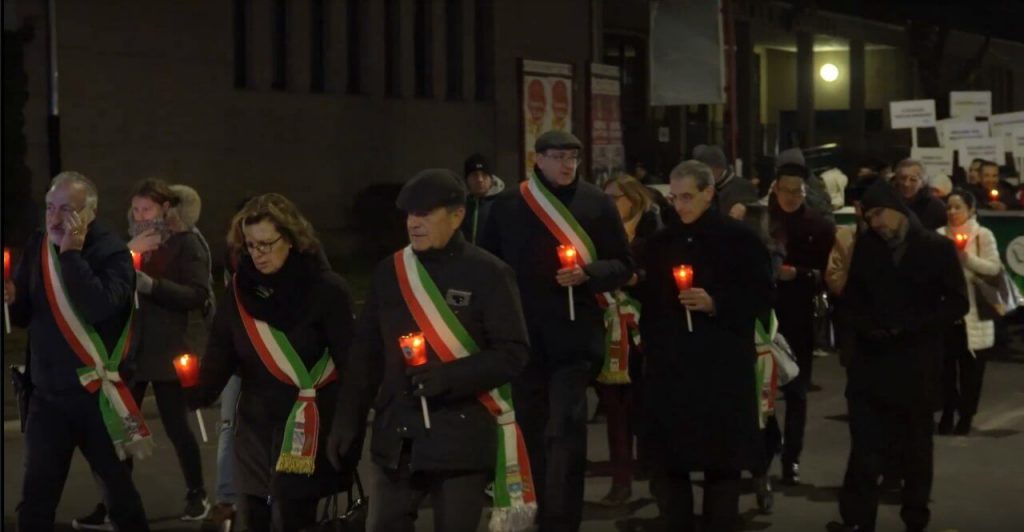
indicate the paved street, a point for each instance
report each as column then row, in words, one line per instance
column 979, row 480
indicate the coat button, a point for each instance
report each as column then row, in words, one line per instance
column 403, row 429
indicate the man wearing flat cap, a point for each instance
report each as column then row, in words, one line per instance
column 439, row 338
column 905, row 288
column 527, row 228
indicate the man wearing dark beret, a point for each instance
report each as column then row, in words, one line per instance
column 441, row 405
column 527, row 224
column 905, row 288
column 808, row 238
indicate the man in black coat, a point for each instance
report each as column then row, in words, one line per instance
column 699, row 398
column 566, row 354
column 807, row 238
column 483, row 187
column 452, row 460
column 63, row 415
column 912, row 184
column 905, row 288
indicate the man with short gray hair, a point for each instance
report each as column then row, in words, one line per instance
column 699, row 385
column 912, row 184
column 73, row 289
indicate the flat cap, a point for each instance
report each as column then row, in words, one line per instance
column 430, row 189
column 557, row 140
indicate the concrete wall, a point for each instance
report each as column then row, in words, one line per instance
column 147, row 89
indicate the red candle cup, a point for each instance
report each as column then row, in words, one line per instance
column 7, row 264
column 187, row 368
column 137, row 260
column 567, row 256
column 684, row 277
column 414, row 349
column 960, row 240
column 993, row 194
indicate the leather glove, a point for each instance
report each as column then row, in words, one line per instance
column 428, row 380
column 193, row 400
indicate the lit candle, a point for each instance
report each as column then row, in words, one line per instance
column 187, row 368
column 568, row 257
column 7, row 277
column 414, row 351
column 137, row 260
column 993, row 194
column 684, row 281
column 960, row 240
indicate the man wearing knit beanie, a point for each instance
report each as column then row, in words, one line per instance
column 905, row 288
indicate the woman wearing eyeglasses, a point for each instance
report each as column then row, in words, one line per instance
column 284, row 328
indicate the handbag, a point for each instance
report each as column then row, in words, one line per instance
column 995, row 295
column 354, row 518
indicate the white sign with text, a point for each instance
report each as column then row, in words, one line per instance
column 987, row 149
column 936, row 161
column 970, row 104
column 912, row 113
column 953, row 130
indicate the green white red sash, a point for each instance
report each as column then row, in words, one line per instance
column 766, row 371
column 120, row 413
column 515, row 501
column 302, row 429
column 621, row 313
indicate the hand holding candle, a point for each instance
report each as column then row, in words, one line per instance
column 187, row 368
column 568, row 257
column 960, row 239
column 683, row 275
column 7, row 280
column 414, row 350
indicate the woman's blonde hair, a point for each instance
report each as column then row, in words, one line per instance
column 635, row 191
column 279, row 211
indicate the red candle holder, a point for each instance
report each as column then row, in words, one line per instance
column 414, row 349
column 187, row 368
column 993, row 194
column 7, row 264
column 960, row 240
column 683, row 275
column 137, row 260
column 567, row 256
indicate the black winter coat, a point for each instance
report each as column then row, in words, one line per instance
column 481, row 291
column 312, row 306
column 898, row 313
column 99, row 279
column 180, row 272
column 808, row 238
column 517, row 236
column 699, row 396
column 930, row 211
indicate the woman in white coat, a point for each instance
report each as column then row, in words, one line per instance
column 964, row 361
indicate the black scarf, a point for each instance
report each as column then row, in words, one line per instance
column 283, row 297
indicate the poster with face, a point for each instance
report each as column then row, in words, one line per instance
column 547, row 101
column 607, row 156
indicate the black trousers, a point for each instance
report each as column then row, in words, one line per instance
column 279, row 515
column 673, row 493
column 875, row 431
column 795, row 394
column 551, row 407
column 457, row 498
column 55, row 428
column 772, row 438
column 170, row 403
column 962, row 375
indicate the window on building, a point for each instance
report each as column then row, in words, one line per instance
column 317, row 44
column 453, row 49
column 279, row 48
column 241, row 27
column 483, row 45
column 423, row 49
column 393, row 48
column 354, row 33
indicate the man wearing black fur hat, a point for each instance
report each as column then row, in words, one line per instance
column 905, row 287
column 526, row 227
column 439, row 338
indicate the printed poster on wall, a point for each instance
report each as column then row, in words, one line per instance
column 546, row 101
column 607, row 154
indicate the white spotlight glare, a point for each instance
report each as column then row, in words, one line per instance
column 829, row 72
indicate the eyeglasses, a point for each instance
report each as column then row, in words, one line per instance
column 571, row 158
column 262, row 247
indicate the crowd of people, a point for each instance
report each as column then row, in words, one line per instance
column 690, row 312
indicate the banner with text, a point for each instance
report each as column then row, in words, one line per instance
column 607, row 154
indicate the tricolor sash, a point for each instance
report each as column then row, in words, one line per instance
column 621, row 313
column 302, row 429
column 515, row 502
column 120, row 413
column 767, row 374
